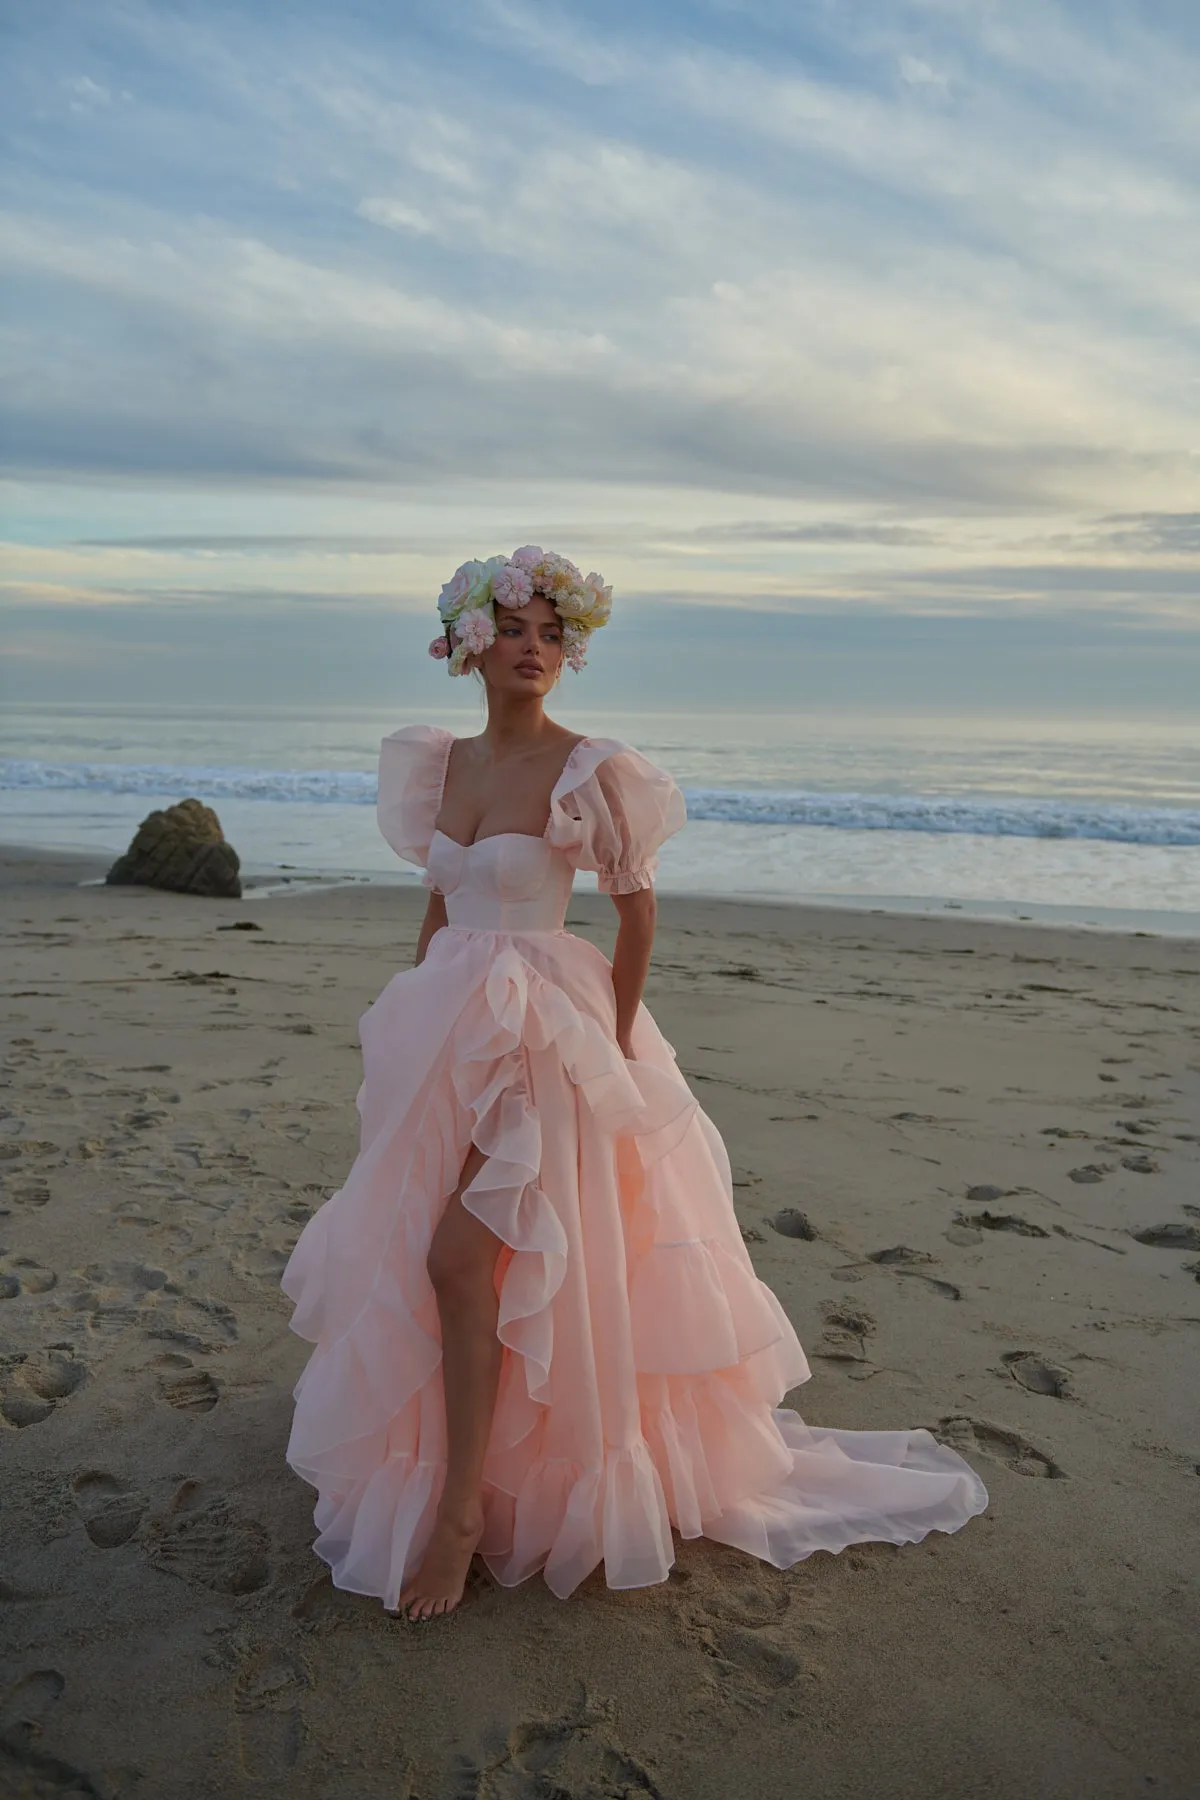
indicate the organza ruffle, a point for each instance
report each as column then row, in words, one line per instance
column 644, row 1360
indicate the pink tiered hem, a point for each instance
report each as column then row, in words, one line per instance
column 644, row 1360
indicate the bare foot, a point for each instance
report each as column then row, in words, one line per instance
column 437, row 1587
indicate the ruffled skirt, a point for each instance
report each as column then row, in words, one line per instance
column 643, row 1359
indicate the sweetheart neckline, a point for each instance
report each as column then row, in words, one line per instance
column 539, row 839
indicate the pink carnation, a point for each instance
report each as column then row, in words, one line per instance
column 513, row 585
column 528, row 556
column 475, row 631
column 439, row 647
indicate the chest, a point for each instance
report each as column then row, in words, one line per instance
column 478, row 801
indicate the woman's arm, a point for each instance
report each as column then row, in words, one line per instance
column 435, row 918
column 637, row 913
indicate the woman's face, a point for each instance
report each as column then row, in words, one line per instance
column 528, row 650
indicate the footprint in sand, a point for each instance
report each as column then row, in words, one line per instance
column 739, row 1620
column 25, row 1768
column 969, row 1436
column 847, row 1329
column 751, row 1601
column 1089, row 1173
column 566, row 1758
column 113, row 1298
column 990, row 1221
column 32, row 1385
column 27, row 1193
column 29, row 1697
column 262, row 1261
column 266, row 1709
column 794, row 1224
column 194, row 1392
column 323, row 1607
column 123, row 1295
column 1036, row 1375
column 213, row 1547
column 1169, row 1237
column 946, row 1290
column 761, row 1666
column 27, row 1149
column 111, row 1514
column 23, row 1275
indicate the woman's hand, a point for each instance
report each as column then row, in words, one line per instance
column 625, row 1046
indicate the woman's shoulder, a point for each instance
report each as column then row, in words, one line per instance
column 611, row 810
column 609, row 759
column 412, row 772
column 418, row 736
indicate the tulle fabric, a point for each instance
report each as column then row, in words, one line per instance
column 644, row 1361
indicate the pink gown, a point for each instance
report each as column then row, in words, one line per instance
column 644, row 1361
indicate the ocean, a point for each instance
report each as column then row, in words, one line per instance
column 1083, row 821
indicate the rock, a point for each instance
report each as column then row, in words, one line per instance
column 182, row 849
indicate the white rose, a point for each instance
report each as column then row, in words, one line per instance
column 470, row 586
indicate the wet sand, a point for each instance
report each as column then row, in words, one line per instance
column 974, row 1119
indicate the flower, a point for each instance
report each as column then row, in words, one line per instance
column 469, row 587
column 555, row 576
column 513, row 585
column 468, row 602
column 575, row 637
column 602, row 596
column 475, row 631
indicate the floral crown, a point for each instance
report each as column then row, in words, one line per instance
column 469, row 599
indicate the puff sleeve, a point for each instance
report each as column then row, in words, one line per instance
column 412, row 774
column 618, row 810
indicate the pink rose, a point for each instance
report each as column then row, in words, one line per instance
column 439, row 648
column 528, row 556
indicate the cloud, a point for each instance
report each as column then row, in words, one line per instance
column 257, row 543
column 823, row 531
column 885, row 306
column 1154, row 534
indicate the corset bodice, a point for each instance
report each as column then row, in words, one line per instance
column 511, row 881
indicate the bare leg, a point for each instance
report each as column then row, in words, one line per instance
column 462, row 1264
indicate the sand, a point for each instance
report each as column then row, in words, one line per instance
column 974, row 1120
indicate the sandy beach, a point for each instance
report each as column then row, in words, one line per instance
column 974, row 1121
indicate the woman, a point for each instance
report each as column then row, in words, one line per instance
column 538, row 1331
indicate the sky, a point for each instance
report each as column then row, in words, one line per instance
column 856, row 343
